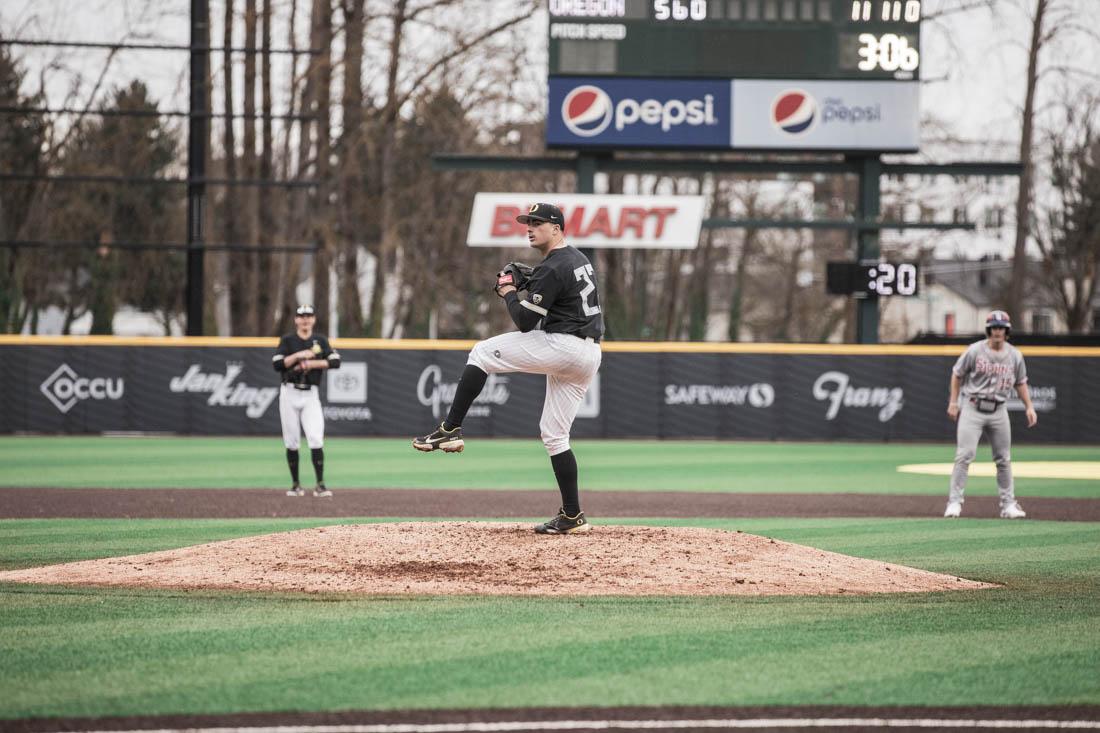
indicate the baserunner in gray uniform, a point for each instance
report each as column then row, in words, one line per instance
column 986, row 374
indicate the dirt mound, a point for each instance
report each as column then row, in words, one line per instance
column 503, row 559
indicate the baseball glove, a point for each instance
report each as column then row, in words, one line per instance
column 515, row 274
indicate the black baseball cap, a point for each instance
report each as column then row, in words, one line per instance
column 543, row 212
column 304, row 310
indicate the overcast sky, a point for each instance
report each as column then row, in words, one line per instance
column 973, row 62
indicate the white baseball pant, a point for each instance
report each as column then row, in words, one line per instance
column 300, row 411
column 971, row 424
column 569, row 363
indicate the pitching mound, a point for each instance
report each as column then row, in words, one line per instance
column 503, row 559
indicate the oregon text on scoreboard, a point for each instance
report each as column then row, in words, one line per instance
column 756, row 74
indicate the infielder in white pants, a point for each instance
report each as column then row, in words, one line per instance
column 300, row 359
column 985, row 375
column 560, row 329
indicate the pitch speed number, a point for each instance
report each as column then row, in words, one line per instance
column 680, row 9
column 888, row 279
column 888, row 52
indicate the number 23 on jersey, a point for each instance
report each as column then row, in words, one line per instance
column 584, row 273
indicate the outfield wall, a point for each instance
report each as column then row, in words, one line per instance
column 210, row 386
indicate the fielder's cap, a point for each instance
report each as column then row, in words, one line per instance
column 542, row 212
column 304, row 310
column 998, row 319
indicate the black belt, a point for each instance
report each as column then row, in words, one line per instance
column 299, row 385
column 987, row 405
column 593, row 339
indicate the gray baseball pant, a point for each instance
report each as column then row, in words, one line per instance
column 970, row 426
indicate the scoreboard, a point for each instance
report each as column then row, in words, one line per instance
column 742, row 39
column 765, row 75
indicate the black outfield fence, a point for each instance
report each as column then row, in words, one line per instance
column 208, row 386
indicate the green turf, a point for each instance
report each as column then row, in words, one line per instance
column 514, row 464
column 67, row 652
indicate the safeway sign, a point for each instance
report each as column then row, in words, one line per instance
column 592, row 220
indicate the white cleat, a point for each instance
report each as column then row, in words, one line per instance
column 954, row 509
column 1012, row 511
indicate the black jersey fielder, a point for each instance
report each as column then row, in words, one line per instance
column 301, row 358
column 560, row 327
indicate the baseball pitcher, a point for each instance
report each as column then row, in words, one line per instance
column 301, row 358
column 560, row 326
column 985, row 375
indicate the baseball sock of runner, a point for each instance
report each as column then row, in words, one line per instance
column 318, row 457
column 292, row 461
column 469, row 387
column 565, row 471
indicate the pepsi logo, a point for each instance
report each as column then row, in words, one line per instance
column 794, row 111
column 587, row 111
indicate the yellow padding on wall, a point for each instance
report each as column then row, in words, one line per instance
column 637, row 347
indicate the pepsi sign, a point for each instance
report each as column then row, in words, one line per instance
column 601, row 112
column 794, row 111
column 826, row 115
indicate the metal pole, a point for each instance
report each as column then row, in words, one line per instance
column 586, row 183
column 196, row 165
column 868, row 208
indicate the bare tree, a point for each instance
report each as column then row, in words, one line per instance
column 749, row 245
column 22, row 137
column 1023, row 197
column 321, row 211
column 352, row 162
column 1068, row 229
column 399, row 88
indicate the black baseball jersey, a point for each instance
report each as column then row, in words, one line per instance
column 292, row 344
column 563, row 290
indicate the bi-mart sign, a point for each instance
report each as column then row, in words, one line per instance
column 592, row 220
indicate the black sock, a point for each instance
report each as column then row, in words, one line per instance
column 292, row 461
column 565, row 471
column 469, row 387
column 318, row 456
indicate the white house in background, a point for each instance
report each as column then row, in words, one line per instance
column 956, row 296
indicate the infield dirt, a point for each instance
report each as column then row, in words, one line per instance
column 491, row 558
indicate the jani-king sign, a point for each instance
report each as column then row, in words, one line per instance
column 744, row 114
column 638, row 112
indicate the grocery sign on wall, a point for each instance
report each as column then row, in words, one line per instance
column 592, row 220
column 748, row 114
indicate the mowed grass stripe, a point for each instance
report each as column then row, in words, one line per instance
column 719, row 466
column 89, row 652
column 511, row 652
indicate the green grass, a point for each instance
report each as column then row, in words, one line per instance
column 85, row 652
column 102, row 652
column 514, row 464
